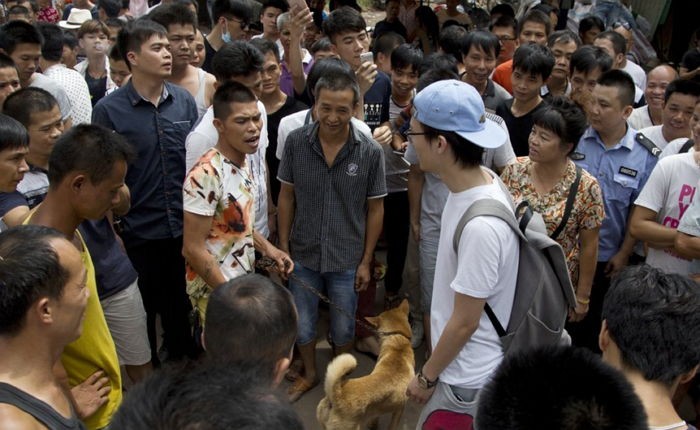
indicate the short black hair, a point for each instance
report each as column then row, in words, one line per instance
column 237, row 8
column 450, row 41
column 343, row 20
column 251, row 324
column 589, row 22
column 534, row 59
column 13, row 134
column 440, row 61
column 485, row 40
column 322, row 44
column 21, row 104
column 505, row 21
column 387, row 42
column 435, row 75
column 563, row 36
column 504, row 9
column 406, row 55
column 564, row 118
column 173, row 14
column 230, row 92
column 340, row 82
column 115, row 22
column 70, row 40
column 277, row 4
column 618, row 41
column 87, row 148
column 52, row 48
column 18, row 10
column 266, row 46
column 188, row 3
column 29, row 269
column 237, row 58
column 587, row 58
column 6, row 61
column 537, row 17
column 209, row 396
column 132, row 38
column 111, row 7
column 622, row 81
column 115, row 54
column 653, row 319
column 558, row 388
column 466, row 152
column 682, row 86
column 326, row 67
column 16, row 32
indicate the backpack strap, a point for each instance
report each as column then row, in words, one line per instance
column 569, row 205
column 648, row 144
column 489, row 207
column 686, row 146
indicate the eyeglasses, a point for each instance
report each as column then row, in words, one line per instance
column 505, row 38
column 243, row 23
column 412, row 133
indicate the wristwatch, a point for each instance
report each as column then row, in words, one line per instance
column 424, row 382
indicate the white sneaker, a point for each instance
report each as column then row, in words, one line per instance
column 417, row 333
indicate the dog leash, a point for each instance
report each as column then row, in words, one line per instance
column 268, row 264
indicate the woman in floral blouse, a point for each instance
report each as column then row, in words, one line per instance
column 545, row 179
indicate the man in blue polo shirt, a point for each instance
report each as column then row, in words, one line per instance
column 155, row 116
column 610, row 151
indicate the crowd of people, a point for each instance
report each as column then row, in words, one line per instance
column 185, row 195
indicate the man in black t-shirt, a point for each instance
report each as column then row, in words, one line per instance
column 532, row 65
column 690, row 64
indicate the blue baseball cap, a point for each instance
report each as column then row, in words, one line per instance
column 453, row 105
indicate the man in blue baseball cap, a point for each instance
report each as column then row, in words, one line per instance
column 450, row 131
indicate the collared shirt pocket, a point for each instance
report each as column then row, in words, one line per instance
column 625, row 186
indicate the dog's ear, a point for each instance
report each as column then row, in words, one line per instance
column 374, row 321
column 404, row 306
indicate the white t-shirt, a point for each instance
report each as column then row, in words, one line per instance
column 638, row 74
column 204, row 137
column 485, row 269
column 299, row 119
column 669, row 191
column 655, row 135
column 674, row 147
column 640, row 118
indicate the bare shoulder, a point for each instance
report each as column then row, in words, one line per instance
column 13, row 418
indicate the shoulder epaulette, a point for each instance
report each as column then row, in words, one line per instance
column 648, row 144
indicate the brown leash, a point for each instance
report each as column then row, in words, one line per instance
column 268, row 264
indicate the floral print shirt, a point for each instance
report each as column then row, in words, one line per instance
column 218, row 188
column 587, row 213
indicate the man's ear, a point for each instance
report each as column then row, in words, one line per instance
column 627, row 111
column 689, row 375
column 604, row 337
column 442, row 144
column 281, row 367
column 44, row 310
column 77, row 182
column 218, row 125
column 131, row 57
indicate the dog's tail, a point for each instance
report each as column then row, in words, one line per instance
column 340, row 367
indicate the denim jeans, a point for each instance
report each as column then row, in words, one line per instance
column 611, row 11
column 339, row 287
